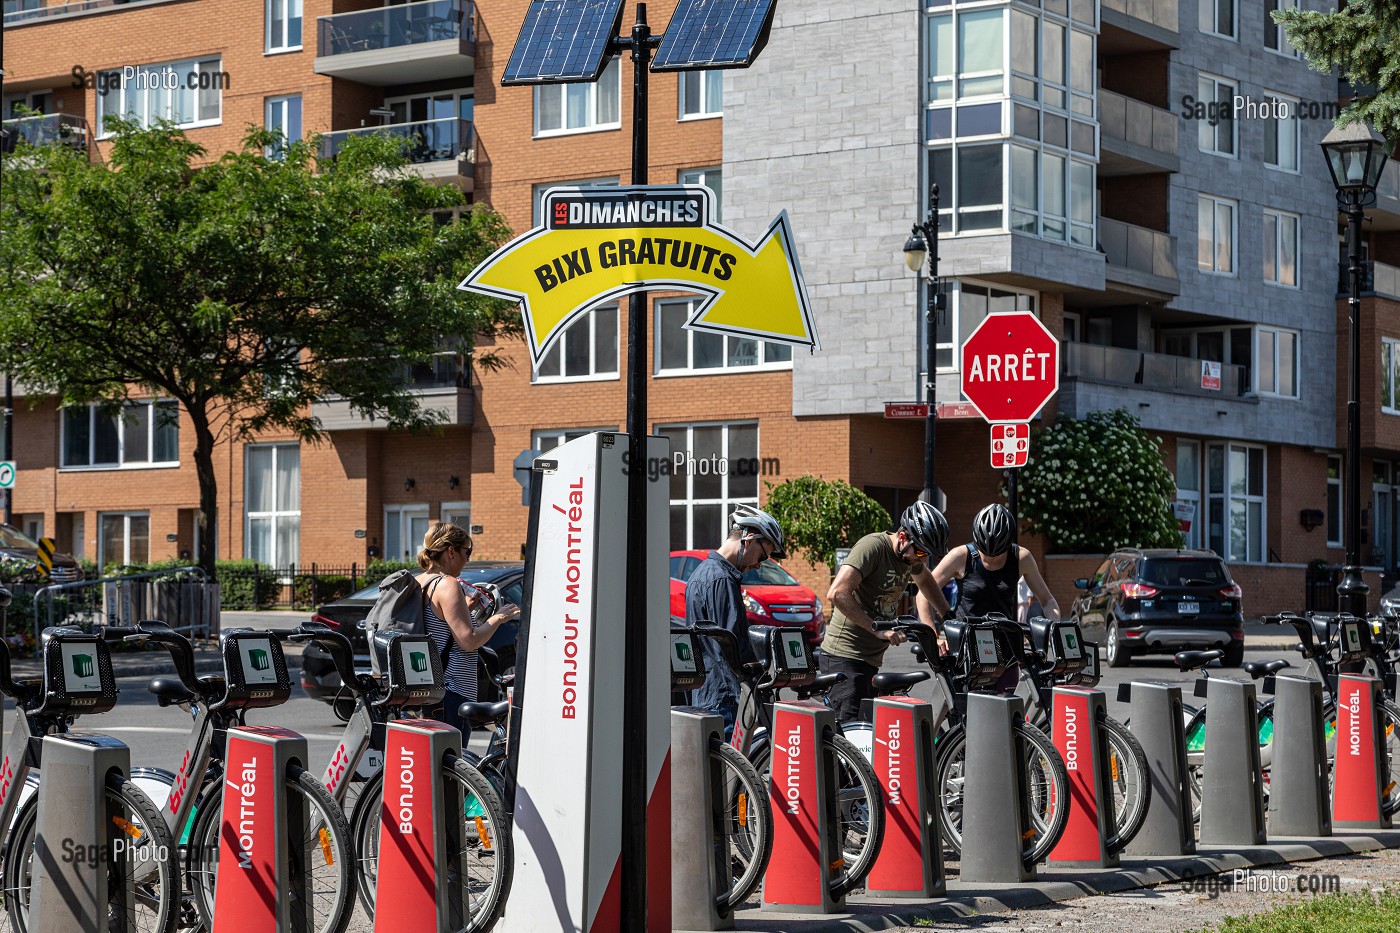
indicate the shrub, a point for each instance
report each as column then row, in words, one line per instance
column 818, row 516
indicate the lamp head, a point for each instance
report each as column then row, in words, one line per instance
column 915, row 251
column 1355, row 158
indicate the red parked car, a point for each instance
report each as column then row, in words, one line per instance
column 771, row 595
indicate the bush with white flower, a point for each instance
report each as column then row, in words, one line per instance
column 1097, row 484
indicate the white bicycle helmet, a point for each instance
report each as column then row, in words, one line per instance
column 761, row 524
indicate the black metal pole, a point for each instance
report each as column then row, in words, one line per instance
column 1352, row 591
column 634, row 689
column 931, row 349
column 9, row 445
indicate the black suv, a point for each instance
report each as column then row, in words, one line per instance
column 1162, row 601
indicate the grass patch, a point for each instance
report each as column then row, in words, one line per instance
column 1361, row 912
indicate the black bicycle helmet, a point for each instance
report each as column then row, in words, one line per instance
column 927, row 528
column 992, row 530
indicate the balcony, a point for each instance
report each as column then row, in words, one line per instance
column 1377, row 278
column 1135, row 138
column 1159, row 372
column 414, row 42
column 1138, row 25
column 27, row 12
column 50, row 129
column 441, row 384
column 444, row 149
column 1140, row 258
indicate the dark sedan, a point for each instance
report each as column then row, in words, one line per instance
column 318, row 676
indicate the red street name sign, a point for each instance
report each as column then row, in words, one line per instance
column 906, row 409
column 1010, row 367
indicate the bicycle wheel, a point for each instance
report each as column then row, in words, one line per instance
column 1128, row 779
column 148, row 857
column 480, row 852
column 1046, row 783
column 319, row 848
column 748, row 825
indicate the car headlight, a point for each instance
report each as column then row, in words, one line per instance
column 754, row 606
column 818, row 605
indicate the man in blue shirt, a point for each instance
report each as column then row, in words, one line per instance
column 713, row 596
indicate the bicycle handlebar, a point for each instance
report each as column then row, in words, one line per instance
column 181, row 651
column 334, row 644
column 7, row 685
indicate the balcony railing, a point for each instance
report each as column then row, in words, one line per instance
column 1133, row 247
column 47, row 129
column 395, row 26
column 1159, row 372
column 25, row 11
column 1137, row 122
column 424, row 140
column 1161, row 13
column 1376, row 278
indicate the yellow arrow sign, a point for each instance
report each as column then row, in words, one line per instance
column 597, row 244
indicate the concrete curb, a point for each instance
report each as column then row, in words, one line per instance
column 865, row 914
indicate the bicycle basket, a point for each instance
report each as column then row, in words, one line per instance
column 1353, row 638
column 984, row 657
column 77, row 673
column 790, row 659
column 687, row 663
column 255, row 670
column 412, row 669
column 1067, row 652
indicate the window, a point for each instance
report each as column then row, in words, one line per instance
column 969, row 303
column 586, row 350
column 702, row 94
column 682, row 351
column 1334, row 501
column 715, row 469
column 441, row 105
column 1276, row 362
column 1215, row 235
column 709, row 178
column 283, row 25
column 1218, row 17
column 1218, row 135
column 283, row 114
column 1235, row 501
column 1275, row 37
column 142, row 434
column 1281, row 133
column 188, row 93
column 1390, row 376
column 125, row 538
column 273, row 504
column 545, row 441
column 404, row 528
column 566, row 108
column 456, row 513
column 1281, row 248
column 1188, row 490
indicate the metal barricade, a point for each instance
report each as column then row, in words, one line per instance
column 182, row 596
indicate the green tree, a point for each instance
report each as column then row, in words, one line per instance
column 1363, row 41
column 1094, row 485
column 818, row 516
column 244, row 287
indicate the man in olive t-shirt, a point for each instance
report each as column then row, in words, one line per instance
column 867, row 588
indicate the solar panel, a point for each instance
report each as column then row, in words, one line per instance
column 714, row 34
column 562, row 41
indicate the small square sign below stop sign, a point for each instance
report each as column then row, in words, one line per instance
column 1011, row 444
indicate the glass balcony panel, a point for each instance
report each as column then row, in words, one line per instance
column 395, row 26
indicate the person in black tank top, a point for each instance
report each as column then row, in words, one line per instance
column 988, row 572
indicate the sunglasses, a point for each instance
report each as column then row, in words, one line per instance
column 919, row 553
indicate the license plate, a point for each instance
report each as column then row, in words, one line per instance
column 1188, row 608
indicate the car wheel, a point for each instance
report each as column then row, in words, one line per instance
column 1234, row 654
column 1118, row 656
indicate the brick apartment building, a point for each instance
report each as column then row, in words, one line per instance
column 1074, row 178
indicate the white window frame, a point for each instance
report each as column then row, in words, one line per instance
column 556, row 353
column 458, row 513
column 761, row 365
column 275, row 514
column 709, row 109
column 960, row 333
column 1280, row 218
column 1229, row 498
column 402, row 515
column 1216, row 203
column 1276, row 126
column 1390, row 370
column 1214, row 7
column 612, row 72
column 1193, row 538
column 120, row 88
column 121, row 463
column 458, row 95
column 1226, row 119
column 1340, row 511
column 276, row 116
column 103, row 558
column 711, row 177
column 285, row 7
column 1273, row 363
column 1284, row 47
column 561, row 436
column 725, row 501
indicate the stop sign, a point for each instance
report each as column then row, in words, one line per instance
column 1010, row 366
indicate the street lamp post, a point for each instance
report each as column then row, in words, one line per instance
column 1355, row 157
column 923, row 242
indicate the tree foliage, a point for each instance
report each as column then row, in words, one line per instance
column 244, row 287
column 1363, row 41
column 1094, row 485
column 818, row 516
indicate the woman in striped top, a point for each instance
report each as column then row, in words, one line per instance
column 451, row 617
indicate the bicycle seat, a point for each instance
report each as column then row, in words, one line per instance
column 170, row 690
column 1040, row 634
column 890, row 682
column 482, row 715
column 1192, row 660
column 823, row 682
column 954, row 630
column 1260, row 669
